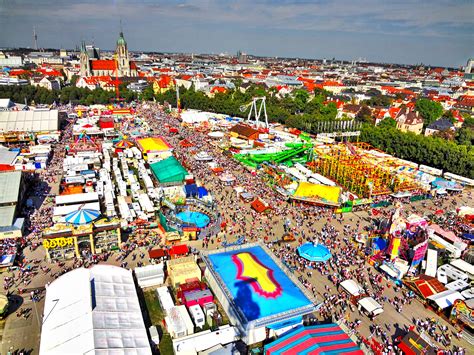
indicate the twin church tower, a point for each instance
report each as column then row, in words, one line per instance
column 121, row 65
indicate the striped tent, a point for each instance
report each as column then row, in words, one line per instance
column 123, row 144
column 82, row 216
column 323, row 339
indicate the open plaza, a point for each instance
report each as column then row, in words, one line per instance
column 197, row 233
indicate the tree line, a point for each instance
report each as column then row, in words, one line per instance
column 69, row 94
column 298, row 110
column 432, row 151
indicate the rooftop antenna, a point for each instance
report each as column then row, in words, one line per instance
column 35, row 39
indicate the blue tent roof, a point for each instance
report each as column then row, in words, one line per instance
column 202, row 191
column 314, row 252
column 379, row 243
column 468, row 236
column 191, row 190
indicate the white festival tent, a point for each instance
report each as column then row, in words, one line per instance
column 93, row 311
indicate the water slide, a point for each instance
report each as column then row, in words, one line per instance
column 287, row 154
column 278, row 157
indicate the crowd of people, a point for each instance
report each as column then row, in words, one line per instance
column 307, row 223
column 347, row 262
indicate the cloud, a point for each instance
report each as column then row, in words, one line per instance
column 150, row 23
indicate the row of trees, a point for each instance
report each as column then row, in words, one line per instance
column 75, row 95
column 299, row 110
column 432, row 151
column 309, row 114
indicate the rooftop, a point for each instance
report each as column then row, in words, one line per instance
column 9, row 187
column 29, row 121
column 93, row 311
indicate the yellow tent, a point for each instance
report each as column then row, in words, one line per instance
column 309, row 190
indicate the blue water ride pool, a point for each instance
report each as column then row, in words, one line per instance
column 198, row 219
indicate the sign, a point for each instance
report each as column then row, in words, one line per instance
column 58, row 243
column 338, row 134
column 239, row 241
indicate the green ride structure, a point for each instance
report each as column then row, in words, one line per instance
column 297, row 153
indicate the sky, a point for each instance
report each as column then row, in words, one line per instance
column 433, row 32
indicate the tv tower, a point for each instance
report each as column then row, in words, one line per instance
column 35, row 39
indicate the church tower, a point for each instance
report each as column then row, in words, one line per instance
column 123, row 57
column 85, row 63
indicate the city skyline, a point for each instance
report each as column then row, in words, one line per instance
column 405, row 32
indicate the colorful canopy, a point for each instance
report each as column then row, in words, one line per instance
column 82, row 216
column 316, row 339
column 123, row 144
column 317, row 191
column 314, row 252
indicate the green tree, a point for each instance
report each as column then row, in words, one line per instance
column 388, row 122
column 429, row 110
column 147, row 94
column 465, row 136
column 378, row 100
column 74, row 79
column 301, row 98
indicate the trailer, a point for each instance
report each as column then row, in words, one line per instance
column 124, row 209
column 197, row 315
column 74, row 180
column 145, row 203
column 148, row 182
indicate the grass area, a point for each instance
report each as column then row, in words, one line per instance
column 156, row 315
column 154, row 310
column 166, row 345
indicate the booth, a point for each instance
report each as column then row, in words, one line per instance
column 64, row 241
column 150, row 275
column 445, row 299
column 182, row 270
column 462, row 314
column 369, row 306
column 414, row 344
column 352, row 288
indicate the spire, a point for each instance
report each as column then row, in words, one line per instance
column 121, row 40
column 83, row 46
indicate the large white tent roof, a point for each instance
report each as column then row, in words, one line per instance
column 29, row 121
column 93, row 311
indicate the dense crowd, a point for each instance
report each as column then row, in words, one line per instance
column 347, row 262
column 237, row 220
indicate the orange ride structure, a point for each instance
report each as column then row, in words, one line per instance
column 351, row 167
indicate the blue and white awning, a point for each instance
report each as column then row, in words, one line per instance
column 82, row 216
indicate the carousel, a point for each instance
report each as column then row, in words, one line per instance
column 82, row 234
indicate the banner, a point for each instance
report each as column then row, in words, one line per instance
column 420, row 251
column 394, row 248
